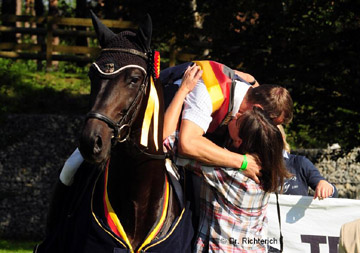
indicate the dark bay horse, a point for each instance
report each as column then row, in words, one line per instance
column 123, row 198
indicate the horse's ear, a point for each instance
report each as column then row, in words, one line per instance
column 145, row 31
column 103, row 33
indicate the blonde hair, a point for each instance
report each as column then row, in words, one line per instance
column 286, row 145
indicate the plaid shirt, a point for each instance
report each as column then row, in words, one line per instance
column 232, row 209
column 232, row 212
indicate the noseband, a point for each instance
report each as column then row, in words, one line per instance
column 122, row 128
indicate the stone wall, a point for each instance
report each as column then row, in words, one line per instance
column 339, row 167
column 34, row 148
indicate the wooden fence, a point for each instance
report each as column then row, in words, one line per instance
column 43, row 31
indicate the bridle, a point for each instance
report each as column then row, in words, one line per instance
column 122, row 129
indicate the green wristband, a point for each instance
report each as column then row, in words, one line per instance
column 244, row 164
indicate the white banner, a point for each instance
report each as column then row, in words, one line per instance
column 310, row 225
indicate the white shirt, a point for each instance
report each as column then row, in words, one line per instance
column 198, row 105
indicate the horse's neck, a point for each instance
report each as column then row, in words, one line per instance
column 137, row 184
column 136, row 174
column 136, row 191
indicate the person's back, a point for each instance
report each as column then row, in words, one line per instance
column 233, row 206
column 349, row 240
column 233, row 212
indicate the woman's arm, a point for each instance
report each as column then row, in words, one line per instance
column 172, row 114
column 193, row 144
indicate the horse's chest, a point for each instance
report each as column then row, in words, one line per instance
column 166, row 224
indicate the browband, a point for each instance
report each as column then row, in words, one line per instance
column 118, row 70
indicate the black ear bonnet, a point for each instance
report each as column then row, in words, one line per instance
column 111, row 61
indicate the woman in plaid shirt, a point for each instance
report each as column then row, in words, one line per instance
column 233, row 206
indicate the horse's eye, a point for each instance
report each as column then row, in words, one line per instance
column 134, row 80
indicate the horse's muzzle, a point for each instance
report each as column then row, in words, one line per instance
column 95, row 141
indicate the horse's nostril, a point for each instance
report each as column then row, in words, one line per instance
column 97, row 145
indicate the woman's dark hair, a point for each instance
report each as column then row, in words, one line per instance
column 262, row 138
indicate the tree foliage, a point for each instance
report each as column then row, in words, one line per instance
column 307, row 46
column 310, row 47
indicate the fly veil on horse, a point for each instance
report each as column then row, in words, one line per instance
column 122, row 199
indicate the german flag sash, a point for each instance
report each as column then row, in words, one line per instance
column 114, row 222
column 218, row 80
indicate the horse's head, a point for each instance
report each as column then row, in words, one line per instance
column 118, row 82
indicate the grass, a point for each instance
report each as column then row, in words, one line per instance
column 13, row 246
column 23, row 89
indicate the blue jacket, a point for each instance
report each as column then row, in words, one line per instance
column 305, row 175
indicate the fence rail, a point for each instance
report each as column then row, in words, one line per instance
column 47, row 28
column 43, row 30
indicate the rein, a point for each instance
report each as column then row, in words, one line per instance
column 151, row 156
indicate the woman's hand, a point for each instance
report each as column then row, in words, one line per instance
column 191, row 77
